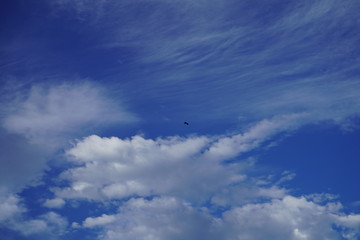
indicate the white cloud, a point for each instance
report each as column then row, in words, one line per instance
column 9, row 207
column 184, row 170
column 160, row 218
column 293, row 71
column 286, row 176
column 50, row 224
column 35, row 124
column 187, row 167
column 13, row 215
column 49, row 114
column 55, row 222
column 54, row 203
column 288, row 218
column 321, row 197
column 38, row 121
column 98, row 221
column 117, row 168
column 75, row 225
column 229, row 147
column 186, row 173
column 30, row 227
column 211, row 35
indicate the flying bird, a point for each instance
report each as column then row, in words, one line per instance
column 186, row 123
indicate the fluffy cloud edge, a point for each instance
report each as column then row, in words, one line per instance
column 48, row 113
column 54, row 203
column 292, row 218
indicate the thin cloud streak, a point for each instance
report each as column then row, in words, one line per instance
column 207, row 57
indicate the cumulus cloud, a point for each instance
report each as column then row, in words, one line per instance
column 286, row 218
column 186, row 188
column 192, row 167
column 98, row 221
column 290, row 218
column 54, row 203
column 117, row 168
column 160, row 218
column 13, row 215
column 188, row 167
column 50, row 224
column 9, row 207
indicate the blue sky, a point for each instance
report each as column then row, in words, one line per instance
column 94, row 94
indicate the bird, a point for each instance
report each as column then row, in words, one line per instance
column 186, row 123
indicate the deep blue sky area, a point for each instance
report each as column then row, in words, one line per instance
column 94, row 95
column 325, row 159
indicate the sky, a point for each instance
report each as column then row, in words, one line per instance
column 94, row 94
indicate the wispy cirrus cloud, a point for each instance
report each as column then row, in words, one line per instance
column 208, row 58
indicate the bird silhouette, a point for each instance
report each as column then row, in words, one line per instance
column 186, row 123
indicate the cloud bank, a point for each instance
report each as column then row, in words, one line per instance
column 197, row 187
column 293, row 218
column 189, row 167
